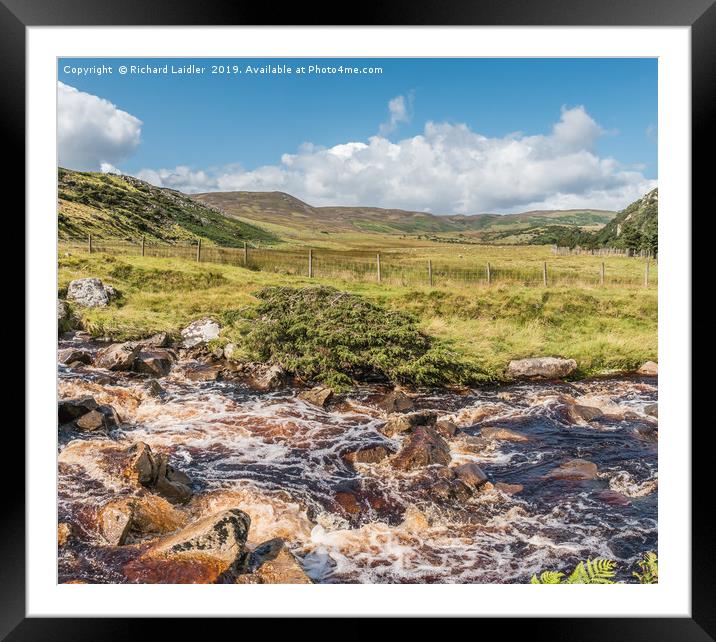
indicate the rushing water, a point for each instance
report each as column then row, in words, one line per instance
column 279, row 459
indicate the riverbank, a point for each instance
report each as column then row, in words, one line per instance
column 605, row 330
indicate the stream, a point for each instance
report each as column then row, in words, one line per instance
column 280, row 460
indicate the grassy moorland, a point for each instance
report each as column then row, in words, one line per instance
column 604, row 328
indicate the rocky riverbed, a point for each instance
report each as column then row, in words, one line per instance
column 178, row 466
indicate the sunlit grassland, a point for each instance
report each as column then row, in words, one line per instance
column 603, row 328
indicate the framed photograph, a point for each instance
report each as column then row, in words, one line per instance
column 359, row 321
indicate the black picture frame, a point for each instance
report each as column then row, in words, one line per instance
column 700, row 15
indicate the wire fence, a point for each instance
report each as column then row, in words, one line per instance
column 389, row 267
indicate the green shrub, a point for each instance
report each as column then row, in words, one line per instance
column 324, row 334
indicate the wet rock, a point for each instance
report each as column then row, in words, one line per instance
column 90, row 293
column 396, row 401
column 603, row 403
column 272, row 378
column 103, row 418
column 158, row 340
column 471, row 475
column 575, row 469
column 71, row 355
column 541, row 368
column 318, row 396
column 348, row 501
column 414, row 520
column 230, row 350
column 200, row 332
column 152, row 470
column 400, row 423
column 64, row 533
column 649, row 369
column 209, row 550
column 509, row 489
column 118, row 356
column 446, row 428
column 70, row 409
column 578, row 413
column 498, row 433
column 202, row 372
column 652, row 409
column 264, row 552
column 155, row 362
column 613, row 498
column 424, row 447
column 126, row 519
column 367, row 455
column 153, row 389
column 283, row 569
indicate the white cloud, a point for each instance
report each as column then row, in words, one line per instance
column 448, row 168
column 91, row 131
column 399, row 112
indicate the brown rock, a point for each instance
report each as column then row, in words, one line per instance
column 104, row 418
column 541, row 368
column 446, row 428
column 509, row 489
column 118, row 356
column 652, row 409
column 156, row 362
column 367, row 455
column 153, row 389
column 272, row 378
column 348, row 501
column 153, row 471
column 70, row 409
column 471, row 475
column 283, row 569
column 158, row 340
column 613, row 498
column 318, row 396
column 400, row 423
column 578, row 413
column 115, row 522
column 575, row 469
column 649, row 369
column 396, row 401
column 64, row 532
column 502, row 434
column 72, row 355
column 202, row 372
column 132, row 517
column 424, row 447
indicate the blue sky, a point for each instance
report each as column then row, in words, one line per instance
column 493, row 123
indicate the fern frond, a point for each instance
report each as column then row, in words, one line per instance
column 548, row 577
column 649, row 567
column 597, row 571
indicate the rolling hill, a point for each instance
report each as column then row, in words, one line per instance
column 108, row 205
column 289, row 214
column 635, row 227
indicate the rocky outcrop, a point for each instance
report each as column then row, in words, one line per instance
column 158, row 340
column 124, row 520
column 118, row 356
column 210, row 550
column 367, row 455
column 649, row 369
column 152, row 470
column 85, row 414
column 497, row 433
column 90, row 293
column 200, row 332
column 424, row 447
column 455, row 484
column 318, row 396
column 541, row 368
column 575, row 469
column 400, row 423
column 155, row 362
column 396, row 401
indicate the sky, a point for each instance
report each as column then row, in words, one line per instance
column 447, row 136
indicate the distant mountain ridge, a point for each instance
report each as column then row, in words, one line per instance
column 281, row 209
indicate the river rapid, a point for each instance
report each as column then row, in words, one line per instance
column 280, row 460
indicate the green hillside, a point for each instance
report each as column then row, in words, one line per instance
column 636, row 227
column 108, row 205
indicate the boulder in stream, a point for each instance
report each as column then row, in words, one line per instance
column 649, row 369
column 129, row 518
column 446, row 428
column 269, row 378
column 281, row 568
column 118, row 356
column 574, row 469
column 85, row 414
column 498, row 433
column 317, row 396
column 74, row 355
column 152, row 470
column 155, row 362
column 652, row 409
column 541, row 368
column 367, row 455
column 424, row 447
column 396, row 401
column 400, row 423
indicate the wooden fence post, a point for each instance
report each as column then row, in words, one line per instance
column 310, row 264
column 378, row 265
column 89, row 243
column 544, row 273
column 601, row 274
column 246, row 254
column 646, row 274
column 198, row 250
column 430, row 272
column 142, row 246
column 489, row 274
